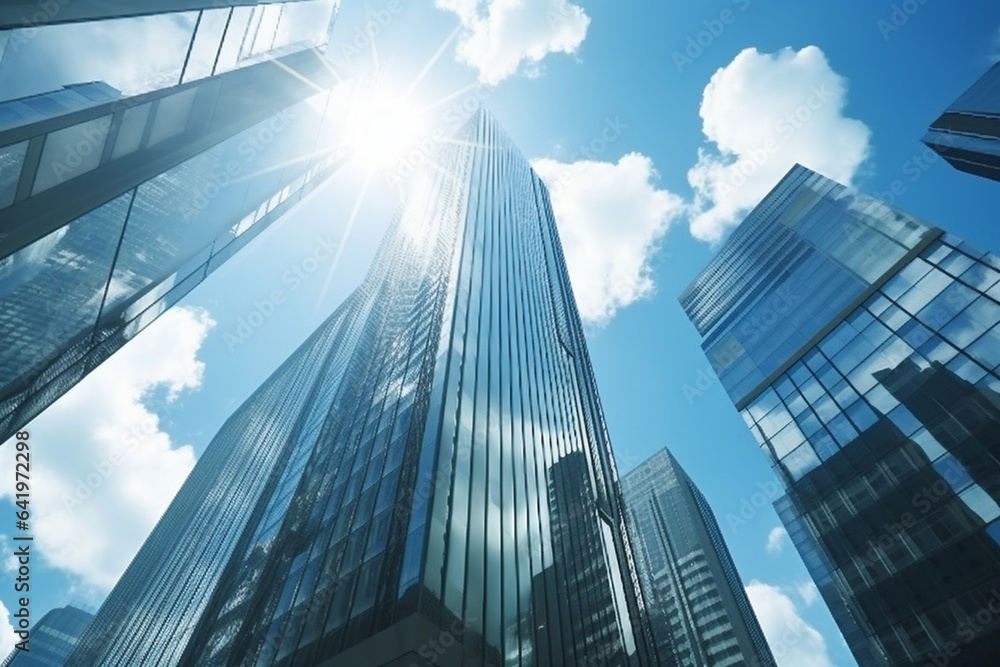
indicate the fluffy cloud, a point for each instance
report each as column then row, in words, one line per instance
column 762, row 114
column 102, row 470
column 808, row 592
column 499, row 35
column 7, row 637
column 776, row 540
column 793, row 641
column 611, row 218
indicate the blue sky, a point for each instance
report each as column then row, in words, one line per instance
column 639, row 116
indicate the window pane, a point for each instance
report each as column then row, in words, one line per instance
column 981, row 503
column 51, row 291
column 801, row 461
column 70, row 152
column 264, row 41
column 132, row 55
column 206, row 44
column 234, row 39
column 11, row 161
column 981, row 276
column 131, row 129
column 788, row 439
column 986, row 350
column 172, row 116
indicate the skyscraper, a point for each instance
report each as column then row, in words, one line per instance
column 22, row 14
column 861, row 347
column 698, row 609
column 427, row 480
column 967, row 134
column 52, row 639
column 134, row 169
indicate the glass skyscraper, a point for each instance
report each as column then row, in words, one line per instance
column 861, row 347
column 133, row 169
column 52, row 639
column 427, row 480
column 967, row 134
column 699, row 612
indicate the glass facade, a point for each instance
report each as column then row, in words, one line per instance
column 52, row 639
column 190, row 45
column 699, row 612
column 112, row 208
column 808, row 250
column 967, row 134
column 885, row 430
column 14, row 112
column 433, row 485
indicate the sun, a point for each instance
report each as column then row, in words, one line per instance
column 380, row 126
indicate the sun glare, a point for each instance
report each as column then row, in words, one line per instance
column 381, row 127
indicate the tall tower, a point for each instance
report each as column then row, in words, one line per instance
column 52, row 639
column 427, row 480
column 967, row 134
column 861, row 347
column 134, row 169
column 698, row 609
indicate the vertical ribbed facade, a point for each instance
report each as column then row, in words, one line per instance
column 119, row 196
column 885, row 427
column 444, row 491
column 699, row 612
column 151, row 613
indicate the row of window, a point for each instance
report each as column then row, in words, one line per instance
column 923, row 352
column 824, row 401
column 221, row 39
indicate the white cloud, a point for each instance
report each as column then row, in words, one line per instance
column 499, row 35
column 8, row 561
column 102, row 471
column 763, row 113
column 611, row 218
column 776, row 540
column 995, row 54
column 7, row 637
column 793, row 641
column 808, row 592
